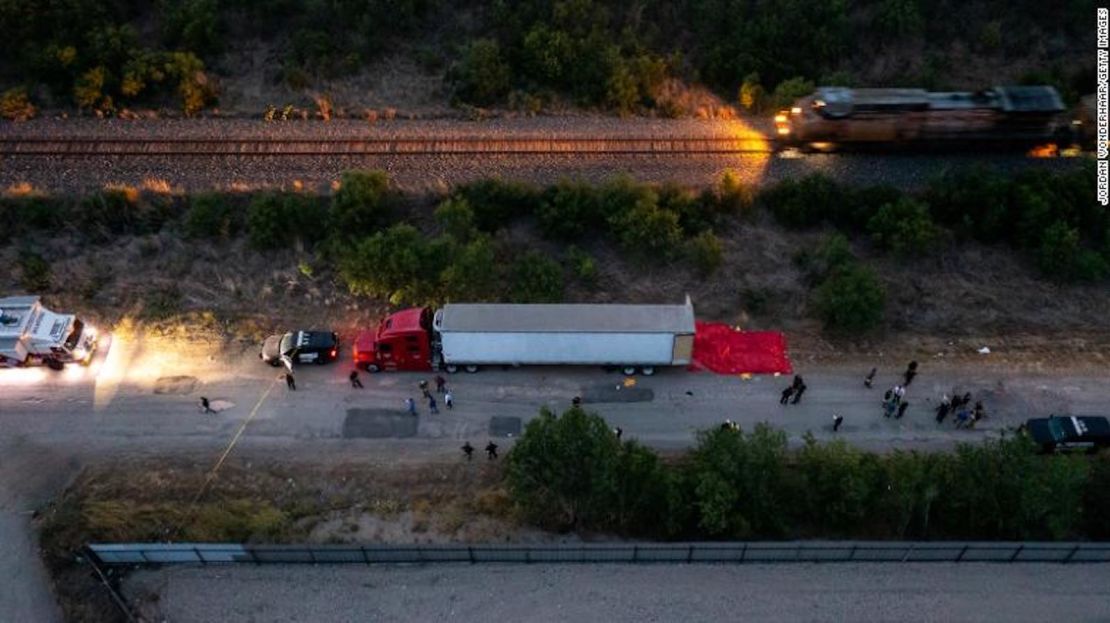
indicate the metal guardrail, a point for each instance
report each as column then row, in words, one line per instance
column 115, row 554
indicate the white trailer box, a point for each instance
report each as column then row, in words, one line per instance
column 628, row 336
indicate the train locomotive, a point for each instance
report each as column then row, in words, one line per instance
column 1001, row 117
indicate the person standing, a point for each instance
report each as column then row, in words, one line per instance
column 576, row 402
column 902, row 409
column 432, row 405
column 870, row 378
column 354, row 379
column 911, row 371
column 491, row 451
column 837, row 421
column 468, row 450
column 205, row 407
column 441, row 384
column 410, row 404
column 290, row 382
column 424, row 389
column 798, row 394
column 618, row 431
column 449, row 400
column 899, row 393
column 943, row 408
column 786, row 394
column 798, row 383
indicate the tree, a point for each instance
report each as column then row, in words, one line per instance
column 735, row 482
column 472, row 274
column 210, row 216
column 706, row 252
column 482, row 77
column 456, row 217
column 563, row 471
column 395, row 263
column 851, row 300
column 903, row 227
column 361, row 206
column 536, row 279
column 839, row 482
column 497, row 202
column 569, row 211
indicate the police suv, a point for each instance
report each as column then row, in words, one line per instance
column 318, row 347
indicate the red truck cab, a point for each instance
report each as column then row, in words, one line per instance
column 403, row 341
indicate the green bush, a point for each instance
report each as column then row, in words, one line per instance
column 833, row 254
column 637, row 221
column 362, row 205
column 210, row 216
column 569, row 211
column 788, row 91
column 570, row 472
column 735, row 483
column 110, row 213
column 482, row 77
column 840, row 482
column 21, row 215
column 496, row 203
column 695, row 213
column 34, row 272
column 851, row 300
column 456, row 218
column 904, row 227
column 973, row 202
column 278, row 220
column 706, row 252
column 583, row 266
column 472, row 274
column 1061, row 256
column 536, row 279
column 397, row 263
column 161, row 302
column 804, row 203
column 732, row 196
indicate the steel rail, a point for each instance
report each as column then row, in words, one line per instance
column 365, row 146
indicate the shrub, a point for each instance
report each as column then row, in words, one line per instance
column 211, row 216
column 862, row 204
column 732, row 195
column 26, row 214
column 839, row 481
column 482, row 77
column 496, row 203
column 569, row 211
column 161, row 302
column 562, row 471
column 973, row 202
column 903, row 227
column 851, row 300
column 804, row 203
column 833, row 254
column 15, row 105
column 582, row 265
column 278, row 220
column 456, row 217
column 752, row 96
column 1062, row 257
column 362, row 205
column 648, row 230
column 472, row 274
column 34, row 272
column 787, row 91
column 735, row 483
column 706, row 252
column 695, row 214
column 397, row 263
column 114, row 212
column 536, row 279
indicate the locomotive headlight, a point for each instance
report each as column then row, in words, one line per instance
column 797, row 110
column 80, row 354
column 784, row 130
column 780, row 118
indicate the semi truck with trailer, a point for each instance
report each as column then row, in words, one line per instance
column 31, row 334
column 467, row 336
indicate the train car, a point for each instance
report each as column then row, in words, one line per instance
column 1006, row 117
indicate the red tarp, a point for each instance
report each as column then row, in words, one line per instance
column 720, row 348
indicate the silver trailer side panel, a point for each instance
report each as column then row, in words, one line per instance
column 517, row 348
column 603, row 318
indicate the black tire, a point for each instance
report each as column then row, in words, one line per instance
column 647, row 370
column 371, row 367
column 54, row 364
column 628, row 370
column 470, row 368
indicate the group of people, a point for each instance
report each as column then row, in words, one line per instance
column 894, row 400
column 433, row 406
column 491, row 451
column 964, row 414
column 796, row 389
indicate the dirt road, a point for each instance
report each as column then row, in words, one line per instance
column 803, row 592
column 137, row 398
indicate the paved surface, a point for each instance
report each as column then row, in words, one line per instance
column 617, row 593
column 141, row 399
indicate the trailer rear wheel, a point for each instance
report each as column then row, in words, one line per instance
column 471, row 368
column 451, row 368
column 54, row 364
column 628, row 370
column 372, row 367
column 647, row 370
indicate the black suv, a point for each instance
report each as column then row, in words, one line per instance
column 1064, row 432
column 301, row 347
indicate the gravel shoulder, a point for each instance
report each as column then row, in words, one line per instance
column 804, row 592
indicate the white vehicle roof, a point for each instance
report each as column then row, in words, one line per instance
column 24, row 317
column 566, row 318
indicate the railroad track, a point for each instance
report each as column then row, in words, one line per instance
column 266, row 147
